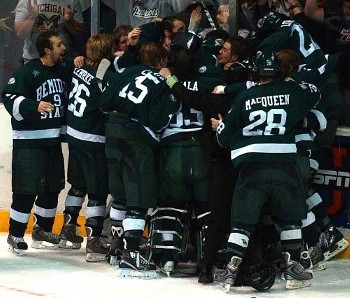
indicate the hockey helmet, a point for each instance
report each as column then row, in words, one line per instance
column 270, row 23
column 260, row 275
column 268, row 64
column 186, row 40
column 214, row 40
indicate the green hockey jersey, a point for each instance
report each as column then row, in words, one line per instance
column 189, row 121
column 293, row 36
column 141, row 93
column 30, row 84
column 264, row 119
column 236, row 73
column 85, row 120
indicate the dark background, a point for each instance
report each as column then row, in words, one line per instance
column 10, row 45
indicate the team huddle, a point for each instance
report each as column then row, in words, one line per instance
column 207, row 143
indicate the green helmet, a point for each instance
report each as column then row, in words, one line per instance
column 268, row 64
column 270, row 23
column 214, row 40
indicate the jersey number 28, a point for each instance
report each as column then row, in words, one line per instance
column 266, row 123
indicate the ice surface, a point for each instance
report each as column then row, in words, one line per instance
column 65, row 273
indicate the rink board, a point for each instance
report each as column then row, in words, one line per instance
column 332, row 180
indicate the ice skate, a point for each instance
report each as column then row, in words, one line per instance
column 69, row 237
column 305, row 259
column 317, row 258
column 17, row 245
column 228, row 276
column 332, row 242
column 295, row 275
column 134, row 265
column 43, row 239
column 96, row 249
column 115, row 251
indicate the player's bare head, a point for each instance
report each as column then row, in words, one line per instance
column 172, row 25
column 153, row 54
column 289, row 59
column 44, row 41
column 234, row 49
column 119, row 33
column 184, row 64
column 98, row 47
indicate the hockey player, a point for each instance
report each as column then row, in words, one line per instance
column 291, row 35
column 140, row 106
column 87, row 165
column 260, row 130
column 35, row 97
column 312, row 255
column 160, row 32
column 230, row 58
column 184, row 164
column 255, row 272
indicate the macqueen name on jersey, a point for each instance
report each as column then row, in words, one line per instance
column 268, row 101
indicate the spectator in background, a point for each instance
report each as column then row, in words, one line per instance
column 3, row 25
column 337, row 39
column 336, row 25
column 35, row 16
column 139, row 12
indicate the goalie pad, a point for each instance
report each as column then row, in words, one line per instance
column 169, row 222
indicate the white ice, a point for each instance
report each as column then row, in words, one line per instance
column 65, row 273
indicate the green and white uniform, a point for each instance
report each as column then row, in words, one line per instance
column 140, row 106
column 37, row 162
column 293, row 36
column 260, row 129
column 21, row 100
column 184, row 159
column 87, row 166
column 34, row 130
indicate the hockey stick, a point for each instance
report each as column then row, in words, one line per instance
column 207, row 13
